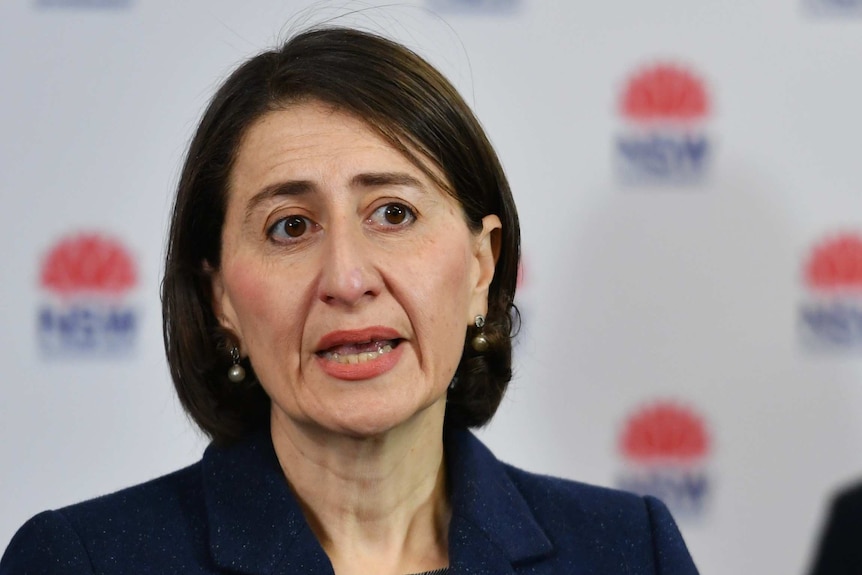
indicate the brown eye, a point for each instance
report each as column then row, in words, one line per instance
column 395, row 214
column 294, row 226
column 289, row 228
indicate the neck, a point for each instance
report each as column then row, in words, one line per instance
column 376, row 504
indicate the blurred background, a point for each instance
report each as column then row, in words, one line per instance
column 689, row 181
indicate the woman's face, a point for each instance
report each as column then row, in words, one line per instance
column 347, row 275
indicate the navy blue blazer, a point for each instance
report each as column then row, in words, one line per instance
column 233, row 512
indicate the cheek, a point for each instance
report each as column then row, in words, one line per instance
column 441, row 288
column 453, row 268
column 263, row 307
column 246, row 290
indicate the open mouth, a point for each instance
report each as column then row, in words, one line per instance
column 361, row 352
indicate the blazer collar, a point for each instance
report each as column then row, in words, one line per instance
column 492, row 526
column 256, row 524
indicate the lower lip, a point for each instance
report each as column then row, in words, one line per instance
column 358, row 371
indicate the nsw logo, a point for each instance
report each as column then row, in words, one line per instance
column 663, row 139
column 830, row 316
column 87, row 280
column 665, row 448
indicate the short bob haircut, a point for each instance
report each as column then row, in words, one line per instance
column 413, row 107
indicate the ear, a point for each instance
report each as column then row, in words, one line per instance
column 222, row 305
column 486, row 250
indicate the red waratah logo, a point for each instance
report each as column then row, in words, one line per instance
column 89, row 277
column 665, row 448
column 836, row 264
column 664, row 92
column 664, row 432
column 88, row 263
column 663, row 138
column 830, row 314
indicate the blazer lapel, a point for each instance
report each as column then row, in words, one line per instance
column 255, row 523
column 493, row 530
column 257, row 527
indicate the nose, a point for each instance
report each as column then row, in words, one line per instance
column 348, row 273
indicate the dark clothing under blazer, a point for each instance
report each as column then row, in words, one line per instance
column 233, row 512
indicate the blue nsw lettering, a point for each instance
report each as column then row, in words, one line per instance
column 835, row 324
column 661, row 157
column 87, row 328
column 685, row 491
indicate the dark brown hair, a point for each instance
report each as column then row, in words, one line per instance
column 411, row 105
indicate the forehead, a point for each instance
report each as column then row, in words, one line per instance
column 314, row 140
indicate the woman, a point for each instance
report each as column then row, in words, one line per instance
column 337, row 311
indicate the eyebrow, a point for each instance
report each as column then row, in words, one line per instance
column 304, row 187
column 381, row 179
column 289, row 188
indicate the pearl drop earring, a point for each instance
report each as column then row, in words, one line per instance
column 236, row 373
column 480, row 342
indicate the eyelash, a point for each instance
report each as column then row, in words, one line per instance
column 277, row 231
column 408, row 213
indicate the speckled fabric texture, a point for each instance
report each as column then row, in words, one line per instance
column 233, row 513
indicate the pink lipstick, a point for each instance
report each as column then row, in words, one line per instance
column 359, row 354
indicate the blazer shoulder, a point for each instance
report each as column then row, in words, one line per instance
column 47, row 544
column 151, row 500
column 549, row 493
column 622, row 524
column 167, row 512
column 849, row 500
column 838, row 546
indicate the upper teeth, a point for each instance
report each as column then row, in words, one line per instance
column 359, row 357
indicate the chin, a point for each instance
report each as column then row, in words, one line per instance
column 366, row 422
column 371, row 425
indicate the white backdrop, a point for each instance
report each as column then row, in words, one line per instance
column 675, row 308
